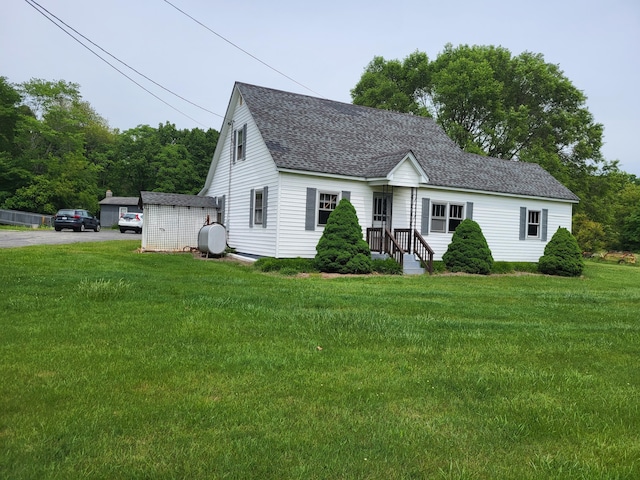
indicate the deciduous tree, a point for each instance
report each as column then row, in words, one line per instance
column 489, row 101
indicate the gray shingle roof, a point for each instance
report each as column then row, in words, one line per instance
column 317, row 135
column 176, row 199
column 119, row 201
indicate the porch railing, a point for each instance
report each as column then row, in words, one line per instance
column 422, row 249
column 374, row 239
column 403, row 237
column 396, row 244
column 393, row 248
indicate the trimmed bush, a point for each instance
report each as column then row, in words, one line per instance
column 341, row 249
column 562, row 255
column 468, row 251
column 513, row 267
column 286, row 266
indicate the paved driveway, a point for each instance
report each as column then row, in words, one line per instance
column 24, row 238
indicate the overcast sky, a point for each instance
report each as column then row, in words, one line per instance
column 323, row 46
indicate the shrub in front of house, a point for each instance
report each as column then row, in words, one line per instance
column 386, row 266
column 514, row 267
column 562, row 255
column 468, row 251
column 286, row 266
column 341, row 248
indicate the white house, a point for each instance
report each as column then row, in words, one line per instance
column 284, row 161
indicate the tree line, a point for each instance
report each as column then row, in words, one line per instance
column 57, row 152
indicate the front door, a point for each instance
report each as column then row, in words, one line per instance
column 382, row 210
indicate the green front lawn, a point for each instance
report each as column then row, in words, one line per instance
column 115, row 364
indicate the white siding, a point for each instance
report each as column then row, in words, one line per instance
column 256, row 171
column 401, row 206
column 499, row 219
column 294, row 240
column 405, row 175
column 173, row 229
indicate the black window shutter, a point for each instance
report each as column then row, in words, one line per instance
column 346, row 194
column 244, row 141
column 543, row 226
column 251, row 208
column 523, row 223
column 310, row 216
column 470, row 210
column 265, row 196
column 424, row 220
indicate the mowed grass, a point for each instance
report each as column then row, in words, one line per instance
column 116, row 364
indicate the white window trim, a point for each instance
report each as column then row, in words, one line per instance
column 385, row 200
column 242, row 146
column 318, row 209
column 447, row 215
column 258, row 208
column 530, row 223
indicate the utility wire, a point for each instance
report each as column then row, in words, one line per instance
column 242, row 50
column 124, row 63
column 48, row 15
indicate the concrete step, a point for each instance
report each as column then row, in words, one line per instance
column 412, row 265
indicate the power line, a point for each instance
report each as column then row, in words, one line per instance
column 125, row 64
column 48, row 15
column 242, row 50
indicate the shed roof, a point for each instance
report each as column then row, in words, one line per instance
column 176, row 199
column 312, row 134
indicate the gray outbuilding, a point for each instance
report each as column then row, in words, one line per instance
column 112, row 208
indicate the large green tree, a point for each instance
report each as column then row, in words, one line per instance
column 489, row 101
column 57, row 139
column 13, row 174
column 56, row 151
column 160, row 159
column 515, row 107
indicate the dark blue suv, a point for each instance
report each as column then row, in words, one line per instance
column 78, row 220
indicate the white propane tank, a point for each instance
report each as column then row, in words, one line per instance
column 212, row 239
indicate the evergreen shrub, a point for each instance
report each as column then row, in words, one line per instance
column 562, row 255
column 286, row 266
column 513, row 267
column 468, row 251
column 341, row 249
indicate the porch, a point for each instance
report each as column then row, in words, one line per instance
column 404, row 245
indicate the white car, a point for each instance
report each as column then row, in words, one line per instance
column 130, row 221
